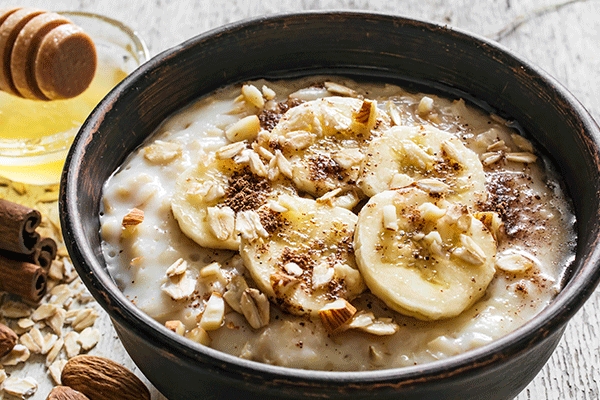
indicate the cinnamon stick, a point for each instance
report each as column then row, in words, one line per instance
column 17, row 227
column 22, row 278
column 44, row 252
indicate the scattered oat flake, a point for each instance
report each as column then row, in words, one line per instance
column 55, row 370
column 88, row 338
column 20, row 387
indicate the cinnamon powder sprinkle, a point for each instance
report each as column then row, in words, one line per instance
column 246, row 191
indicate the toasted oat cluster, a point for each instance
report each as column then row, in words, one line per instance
column 323, row 223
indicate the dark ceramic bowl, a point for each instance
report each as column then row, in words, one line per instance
column 356, row 44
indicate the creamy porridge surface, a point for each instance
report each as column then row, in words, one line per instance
column 320, row 223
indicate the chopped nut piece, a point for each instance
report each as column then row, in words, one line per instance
column 133, row 218
column 214, row 312
column 367, row 113
column 293, row 269
column 375, row 355
column 390, row 219
column 381, row 328
column 199, row 335
column 322, row 274
column 211, row 269
column 255, row 307
column 161, row 152
column 8, row 339
column 336, row 314
column 245, row 129
column 176, row 326
column 273, row 169
column 434, row 239
column 431, row 212
column 425, row 106
column 2, row 375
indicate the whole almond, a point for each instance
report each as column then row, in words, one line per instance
column 65, row 393
column 102, row 379
column 8, row 339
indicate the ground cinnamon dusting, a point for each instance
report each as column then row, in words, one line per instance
column 246, row 191
column 270, row 220
column 269, row 118
column 322, row 167
column 303, row 260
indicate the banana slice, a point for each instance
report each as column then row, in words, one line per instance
column 423, row 256
column 324, row 140
column 209, row 197
column 307, row 261
column 438, row 161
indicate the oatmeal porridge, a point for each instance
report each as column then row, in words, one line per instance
column 322, row 223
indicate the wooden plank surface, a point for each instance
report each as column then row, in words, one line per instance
column 561, row 38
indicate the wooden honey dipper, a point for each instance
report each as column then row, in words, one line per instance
column 43, row 55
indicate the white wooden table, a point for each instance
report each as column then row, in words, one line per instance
column 563, row 39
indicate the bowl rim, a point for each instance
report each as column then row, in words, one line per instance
column 552, row 318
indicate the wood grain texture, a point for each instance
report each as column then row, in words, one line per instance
column 561, row 40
